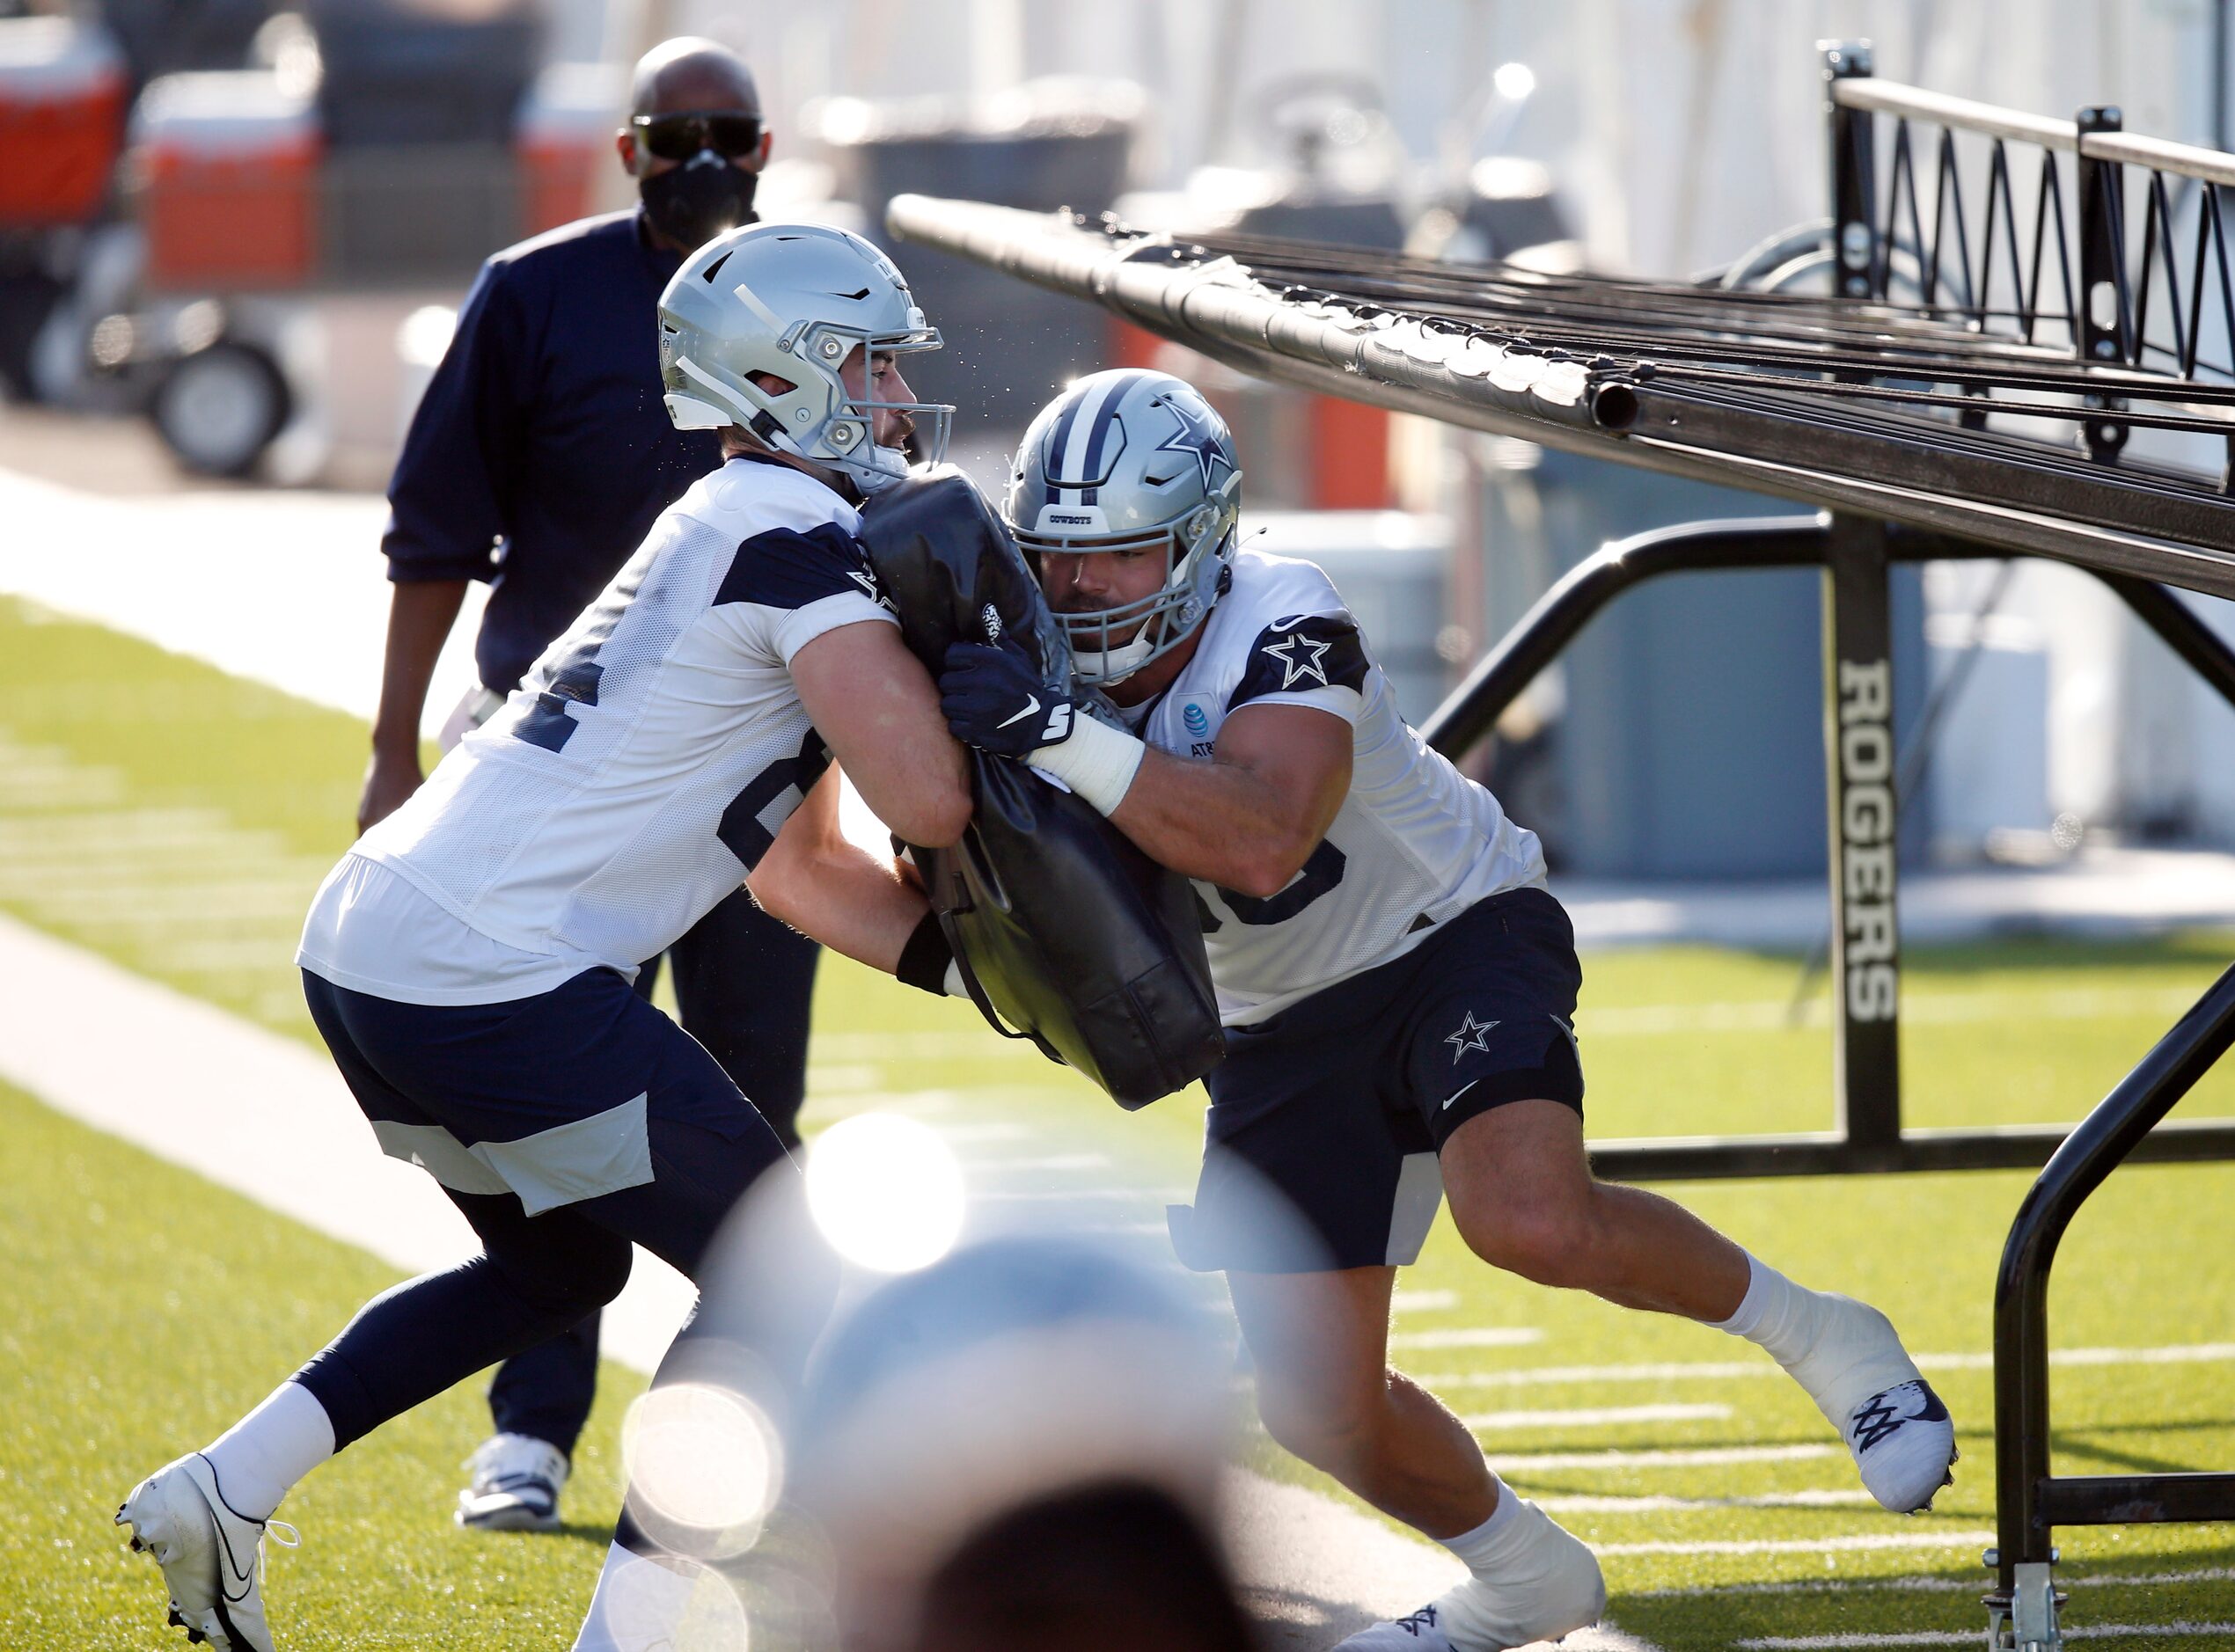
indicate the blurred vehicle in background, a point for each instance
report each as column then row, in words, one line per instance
column 64, row 87
column 168, row 264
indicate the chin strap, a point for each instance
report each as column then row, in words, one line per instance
column 882, row 470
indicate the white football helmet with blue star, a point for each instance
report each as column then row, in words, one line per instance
column 1124, row 458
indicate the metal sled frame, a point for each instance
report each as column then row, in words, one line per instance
column 1873, row 406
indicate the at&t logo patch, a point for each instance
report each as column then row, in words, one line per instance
column 1197, row 724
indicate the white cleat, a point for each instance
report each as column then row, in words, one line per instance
column 1903, row 1441
column 1548, row 1585
column 516, row 1484
column 1421, row 1632
column 212, row 1557
column 1898, row 1432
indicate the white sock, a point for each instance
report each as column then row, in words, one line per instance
column 259, row 1459
column 1530, row 1581
column 1841, row 1350
column 1775, row 1314
column 639, row 1603
column 1482, row 1545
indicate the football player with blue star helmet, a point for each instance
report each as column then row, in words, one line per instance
column 1124, row 459
column 1398, row 989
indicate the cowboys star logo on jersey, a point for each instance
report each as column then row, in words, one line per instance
column 1294, row 666
column 868, row 582
column 1413, row 836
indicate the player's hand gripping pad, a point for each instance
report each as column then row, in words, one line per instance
column 1066, row 930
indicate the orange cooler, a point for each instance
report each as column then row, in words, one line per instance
column 61, row 113
column 565, row 136
column 226, row 168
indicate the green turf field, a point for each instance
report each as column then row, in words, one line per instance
column 176, row 820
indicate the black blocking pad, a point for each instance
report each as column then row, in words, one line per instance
column 1066, row 932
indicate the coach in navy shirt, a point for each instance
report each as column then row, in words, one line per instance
column 539, row 456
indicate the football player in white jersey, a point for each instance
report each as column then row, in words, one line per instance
column 469, row 961
column 1398, row 989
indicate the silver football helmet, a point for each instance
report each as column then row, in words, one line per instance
column 793, row 300
column 1131, row 458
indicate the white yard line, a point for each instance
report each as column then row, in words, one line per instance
column 1861, row 1544
column 1585, row 1503
column 1919, row 1009
column 1674, row 1457
column 1733, row 1371
column 1936, row 1585
column 1048, row 1164
column 1970, row 1637
column 1423, row 1301
column 1478, row 1337
column 1596, row 1417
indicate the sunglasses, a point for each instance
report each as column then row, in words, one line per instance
column 677, row 137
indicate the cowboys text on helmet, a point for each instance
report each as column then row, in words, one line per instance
column 1131, row 460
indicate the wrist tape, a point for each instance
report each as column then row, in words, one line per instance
column 927, row 962
column 1098, row 762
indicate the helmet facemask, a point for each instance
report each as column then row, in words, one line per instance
column 820, row 420
column 1196, row 554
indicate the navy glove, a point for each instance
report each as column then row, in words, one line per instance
column 993, row 699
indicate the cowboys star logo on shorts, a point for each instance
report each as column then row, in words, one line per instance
column 1293, row 667
column 1472, row 1034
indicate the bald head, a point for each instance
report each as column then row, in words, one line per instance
column 690, row 73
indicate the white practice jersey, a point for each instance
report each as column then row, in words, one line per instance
column 1415, row 842
column 642, row 769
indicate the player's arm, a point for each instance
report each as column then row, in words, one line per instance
column 1246, row 818
column 877, row 709
column 842, row 893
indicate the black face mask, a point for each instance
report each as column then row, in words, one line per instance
column 693, row 203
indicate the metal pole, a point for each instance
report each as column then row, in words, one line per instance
column 1854, row 189
column 2096, row 1146
column 1864, row 817
column 2179, row 629
column 1473, row 707
column 2101, row 328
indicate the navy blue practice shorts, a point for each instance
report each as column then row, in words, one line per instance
column 1341, row 1102
column 572, row 1099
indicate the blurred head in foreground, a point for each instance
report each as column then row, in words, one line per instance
column 1020, row 1446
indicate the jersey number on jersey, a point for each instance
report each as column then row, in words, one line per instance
column 1319, row 873
column 574, row 681
column 742, row 830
